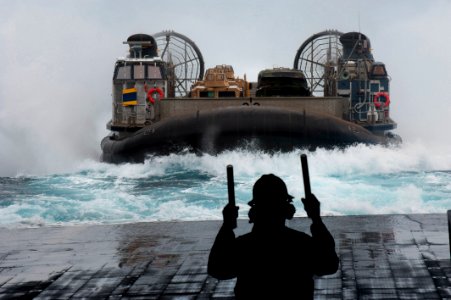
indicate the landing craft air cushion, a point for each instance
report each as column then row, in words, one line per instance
column 335, row 95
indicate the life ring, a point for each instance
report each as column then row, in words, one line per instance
column 378, row 103
column 152, row 91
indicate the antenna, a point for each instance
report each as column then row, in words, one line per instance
column 359, row 21
column 358, row 18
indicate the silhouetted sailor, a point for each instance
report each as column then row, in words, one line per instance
column 273, row 261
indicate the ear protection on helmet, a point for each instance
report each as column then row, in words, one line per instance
column 251, row 214
column 289, row 211
column 287, row 208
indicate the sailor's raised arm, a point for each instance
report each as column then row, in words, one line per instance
column 324, row 245
column 222, row 259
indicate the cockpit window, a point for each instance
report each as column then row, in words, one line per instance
column 138, row 72
column 379, row 70
column 154, row 72
column 124, row 72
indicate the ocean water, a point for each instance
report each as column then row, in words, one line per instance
column 352, row 181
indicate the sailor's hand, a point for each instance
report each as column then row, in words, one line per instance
column 230, row 214
column 311, row 207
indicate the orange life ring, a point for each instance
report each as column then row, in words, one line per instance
column 378, row 103
column 152, row 91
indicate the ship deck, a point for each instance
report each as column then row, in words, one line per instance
column 381, row 257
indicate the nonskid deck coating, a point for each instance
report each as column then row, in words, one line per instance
column 381, row 257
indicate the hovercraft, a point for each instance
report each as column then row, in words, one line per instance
column 335, row 95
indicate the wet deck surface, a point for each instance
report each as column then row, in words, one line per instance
column 381, row 257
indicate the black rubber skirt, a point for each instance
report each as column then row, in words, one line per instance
column 264, row 128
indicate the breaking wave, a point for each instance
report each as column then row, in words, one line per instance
column 356, row 180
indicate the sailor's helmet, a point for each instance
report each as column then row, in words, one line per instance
column 269, row 190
